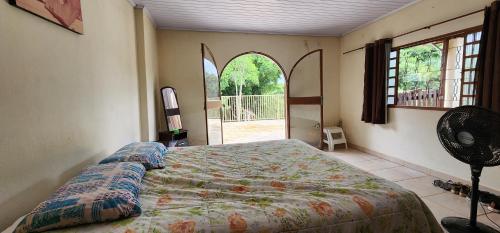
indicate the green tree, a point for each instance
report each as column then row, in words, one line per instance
column 212, row 80
column 270, row 78
column 240, row 72
column 420, row 67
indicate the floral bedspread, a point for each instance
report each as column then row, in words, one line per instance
column 277, row 186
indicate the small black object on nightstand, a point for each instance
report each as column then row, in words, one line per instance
column 170, row 139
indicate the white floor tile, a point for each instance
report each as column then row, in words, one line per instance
column 495, row 217
column 455, row 202
column 398, row 173
column 422, row 186
column 374, row 164
column 441, row 203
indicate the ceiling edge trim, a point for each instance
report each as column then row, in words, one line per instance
column 250, row 32
column 132, row 3
column 380, row 18
column 146, row 12
column 151, row 18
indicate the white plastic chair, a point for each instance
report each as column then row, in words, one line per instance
column 329, row 131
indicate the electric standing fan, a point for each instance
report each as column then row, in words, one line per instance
column 471, row 135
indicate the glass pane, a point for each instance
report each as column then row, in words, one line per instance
column 419, row 75
column 470, row 38
column 211, row 80
column 392, row 82
column 468, row 89
column 213, row 101
column 390, row 91
column 169, row 98
column 468, row 63
column 467, row 101
column 390, row 100
column 478, row 36
column 476, row 49
column 392, row 72
column 468, row 50
column 214, row 126
column 174, row 122
column 392, row 63
column 394, row 54
column 474, row 62
column 469, row 76
column 451, row 88
column 305, row 77
column 305, row 123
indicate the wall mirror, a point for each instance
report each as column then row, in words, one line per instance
column 171, row 109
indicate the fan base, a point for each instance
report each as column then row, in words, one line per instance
column 462, row 225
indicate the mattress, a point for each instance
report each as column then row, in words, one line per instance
column 275, row 186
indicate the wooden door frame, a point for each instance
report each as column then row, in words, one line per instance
column 203, row 46
column 310, row 100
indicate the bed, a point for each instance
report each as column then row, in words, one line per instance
column 275, row 186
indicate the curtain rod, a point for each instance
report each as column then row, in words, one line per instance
column 422, row 28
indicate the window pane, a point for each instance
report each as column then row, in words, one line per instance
column 468, row 63
column 468, row 89
column 467, row 101
column 390, row 100
column 392, row 63
column 468, row 50
column 469, row 76
column 419, row 75
column 476, row 49
column 474, row 62
column 451, row 87
column 392, row 72
column 390, row 91
column 470, row 38
column 394, row 54
column 478, row 36
column 392, row 82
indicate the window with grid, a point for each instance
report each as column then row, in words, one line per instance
column 434, row 73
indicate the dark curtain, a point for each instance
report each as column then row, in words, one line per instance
column 488, row 66
column 374, row 93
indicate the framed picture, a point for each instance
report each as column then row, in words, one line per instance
column 66, row 13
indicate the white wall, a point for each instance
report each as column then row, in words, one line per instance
column 66, row 100
column 410, row 134
column 180, row 66
column 147, row 63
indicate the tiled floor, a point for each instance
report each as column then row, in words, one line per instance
column 441, row 203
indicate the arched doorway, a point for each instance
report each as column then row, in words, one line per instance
column 253, row 89
column 293, row 110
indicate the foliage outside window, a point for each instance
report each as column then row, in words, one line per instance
column 252, row 74
column 252, row 86
column 436, row 74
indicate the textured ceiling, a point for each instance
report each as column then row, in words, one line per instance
column 295, row 17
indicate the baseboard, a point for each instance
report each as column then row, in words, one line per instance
column 419, row 168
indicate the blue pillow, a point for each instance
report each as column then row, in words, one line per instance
column 150, row 154
column 100, row 193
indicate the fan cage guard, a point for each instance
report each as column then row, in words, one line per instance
column 484, row 127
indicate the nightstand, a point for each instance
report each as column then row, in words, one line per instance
column 169, row 139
